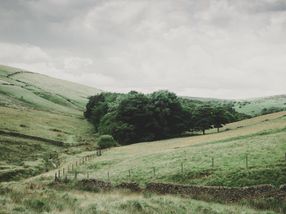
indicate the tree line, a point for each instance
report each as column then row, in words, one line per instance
column 136, row 117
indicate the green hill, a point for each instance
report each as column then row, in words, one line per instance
column 252, row 107
column 19, row 88
column 37, row 106
column 42, row 130
column 256, row 105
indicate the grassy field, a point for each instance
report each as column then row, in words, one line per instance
column 37, row 105
column 262, row 139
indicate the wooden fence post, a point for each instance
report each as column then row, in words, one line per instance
column 129, row 171
column 75, row 175
column 246, row 161
column 212, row 162
column 108, row 175
column 56, row 178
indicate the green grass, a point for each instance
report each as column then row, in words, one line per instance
column 71, row 129
column 21, row 158
column 38, row 105
column 38, row 198
column 26, row 89
column 265, row 149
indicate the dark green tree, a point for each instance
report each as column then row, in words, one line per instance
column 220, row 117
column 203, row 116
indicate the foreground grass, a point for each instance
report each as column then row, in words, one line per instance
column 35, row 198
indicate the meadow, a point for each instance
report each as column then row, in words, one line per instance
column 247, row 152
column 200, row 160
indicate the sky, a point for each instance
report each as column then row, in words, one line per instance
column 201, row 48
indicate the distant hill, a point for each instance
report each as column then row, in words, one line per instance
column 256, row 105
column 253, row 106
column 20, row 88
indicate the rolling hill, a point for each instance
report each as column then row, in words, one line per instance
column 36, row 111
column 19, row 88
column 42, row 130
column 251, row 107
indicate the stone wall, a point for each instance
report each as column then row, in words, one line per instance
column 215, row 193
column 212, row 192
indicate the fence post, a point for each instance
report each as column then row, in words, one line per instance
column 108, row 175
column 129, row 171
column 75, row 175
column 59, row 174
column 212, row 162
column 154, row 171
column 56, row 178
column 246, row 161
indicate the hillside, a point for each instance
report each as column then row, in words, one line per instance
column 19, row 88
column 42, row 131
column 256, row 105
column 262, row 139
column 252, row 107
column 35, row 111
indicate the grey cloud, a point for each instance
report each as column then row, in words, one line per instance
column 225, row 48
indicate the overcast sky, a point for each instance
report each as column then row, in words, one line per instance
column 208, row 48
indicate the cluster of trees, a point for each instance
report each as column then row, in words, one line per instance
column 136, row 117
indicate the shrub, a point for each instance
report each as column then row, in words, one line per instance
column 106, row 141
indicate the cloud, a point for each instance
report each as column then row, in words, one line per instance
column 224, row 48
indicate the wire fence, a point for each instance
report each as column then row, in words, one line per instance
column 72, row 171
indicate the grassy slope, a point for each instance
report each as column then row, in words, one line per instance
column 38, row 105
column 262, row 138
column 37, row 91
column 35, row 104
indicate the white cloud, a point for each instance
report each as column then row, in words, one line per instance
column 223, row 48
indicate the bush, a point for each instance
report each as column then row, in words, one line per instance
column 106, row 141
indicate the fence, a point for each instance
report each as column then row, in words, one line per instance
column 72, row 170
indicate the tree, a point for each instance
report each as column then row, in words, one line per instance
column 220, row 117
column 106, row 141
column 169, row 115
column 96, row 108
column 135, row 115
column 203, row 118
